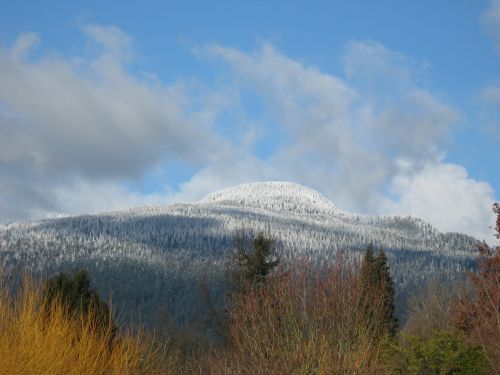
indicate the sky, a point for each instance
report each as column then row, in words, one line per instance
column 387, row 107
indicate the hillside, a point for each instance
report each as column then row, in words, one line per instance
column 153, row 258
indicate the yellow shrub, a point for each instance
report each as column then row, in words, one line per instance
column 37, row 339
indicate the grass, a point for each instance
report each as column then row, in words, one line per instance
column 36, row 338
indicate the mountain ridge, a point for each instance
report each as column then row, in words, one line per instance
column 232, row 197
column 150, row 256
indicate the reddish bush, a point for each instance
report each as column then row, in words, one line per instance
column 305, row 320
column 478, row 315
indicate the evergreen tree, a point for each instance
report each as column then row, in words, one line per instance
column 377, row 292
column 249, row 269
column 79, row 298
column 368, row 288
column 367, row 270
column 384, row 283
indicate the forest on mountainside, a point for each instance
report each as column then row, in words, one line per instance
column 301, row 317
column 152, row 258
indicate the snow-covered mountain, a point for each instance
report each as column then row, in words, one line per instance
column 283, row 197
column 153, row 258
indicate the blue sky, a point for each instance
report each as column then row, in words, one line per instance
column 389, row 107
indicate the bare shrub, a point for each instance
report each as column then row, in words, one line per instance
column 431, row 310
column 477, row 314
column 306, row 320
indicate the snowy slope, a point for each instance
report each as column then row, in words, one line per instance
column 153, row 257
column 283, row 197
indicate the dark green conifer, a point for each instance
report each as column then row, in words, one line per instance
column 384, row 282
column 367, row 270
column 376, row 297
column 76, row 294
column 250, row 268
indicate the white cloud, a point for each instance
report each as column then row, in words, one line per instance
column 64, row 119
column 369, row 61
column 348, row 142
column 491, row 21
column 444, row 195
column 491, row 94
column 337, row 138
column 110, row 37
column 23, row 45
column 74, row 131
column 102, row 197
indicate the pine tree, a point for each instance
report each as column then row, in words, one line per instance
column 367, row 288
column 367, row 270
column 249, row 269
column 385, row 285
column 76, row 294
column 376, row 296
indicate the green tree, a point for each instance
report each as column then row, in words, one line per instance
column 79, row 298
column 443, row 353
column 247, row 269
column 250, row 268
column 384, row 282
column 377, row 292
column 368, row 270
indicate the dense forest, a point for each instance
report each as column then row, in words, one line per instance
column 302, row 317
column 258, row 288
column 154, row 258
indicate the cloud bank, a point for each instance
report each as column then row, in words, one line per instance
column 75, row 132
column 64, row 120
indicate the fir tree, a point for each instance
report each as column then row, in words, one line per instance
column 79, row 298
column 249, row 269
column 367, row 270
column 377, row 292
column 385, row 285
column 368, row 288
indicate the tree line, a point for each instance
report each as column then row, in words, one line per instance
column 306, row 317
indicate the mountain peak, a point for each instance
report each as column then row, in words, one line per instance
column 273, row 196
